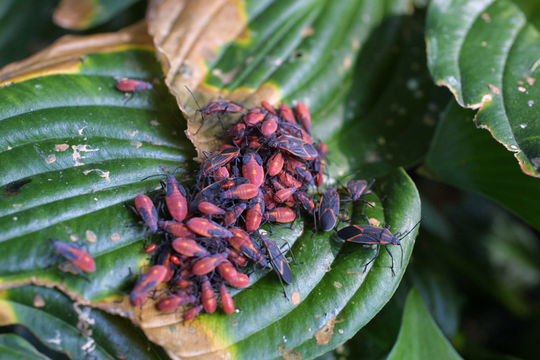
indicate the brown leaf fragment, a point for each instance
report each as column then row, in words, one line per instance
column 75, row 14
column 67, row 54
column 324, row 334
column 188, row 35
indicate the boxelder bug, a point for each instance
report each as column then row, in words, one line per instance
column 373, row 235
column 130, row 85
column 252, row 168
column 146, row 209
column 221, row 106
column 357, row 188
column 147, row 282
column 193, row 312
column 278, row 261
column 80, row 259
column 226, row 300
column 227, row 271
column 207, row 264
column 328, row 209
column 207, row 228
column 175, row 198
column 189, row 247
column 280, row 215
column 287, row 113
column 218, row 159
column 302, row 112
column 274, row 164
column 176, row 228
column 208, row 296
column 243, row 243
column 295, row 146
column 243, row 192
column 171, row 303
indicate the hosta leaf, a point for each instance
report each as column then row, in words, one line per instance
column 466, row 158
column 486, row 53
column 419, row 337
column 73, row 329
column 84, row 14
column 264, row 50
column 74, row 152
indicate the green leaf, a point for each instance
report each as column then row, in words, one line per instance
column 74, row 329
column 86, row 14
column 393, row 105
column 15, row 347
column 469, row 159
column 419, row 337
column 24, row 27
column 486, row 53
column 333, row 304
column 82, row 149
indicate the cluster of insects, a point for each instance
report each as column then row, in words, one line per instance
column 210, row 234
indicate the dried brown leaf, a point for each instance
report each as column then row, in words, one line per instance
column 67, row 54
column 188, row 35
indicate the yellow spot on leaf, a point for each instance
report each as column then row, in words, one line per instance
column 61, row 147
column 295, row 298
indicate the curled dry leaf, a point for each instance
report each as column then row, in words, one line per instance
column 75, row 14
column 188, row 35
column 67, row 54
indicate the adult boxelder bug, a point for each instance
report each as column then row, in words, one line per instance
column 146, row 209
column 207, row 228
column 295, row 146
column 148, row 281
column 373, row 235
column 221, row 106
column 278, row 261
column 231, row 216
column 252, row 168
column 218, row 159
column 208, row 296
column 243, row 243
column 80, row 259
column 328, row 209
column 226, row 300
column 305, row 200
column 357, row 188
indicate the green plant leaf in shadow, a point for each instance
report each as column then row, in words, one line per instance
column 73, row 329
column 74, row 152
column 469, row 159
column 419, row 337
column 486, row 53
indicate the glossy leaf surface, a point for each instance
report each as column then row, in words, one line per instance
column 486, row 53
